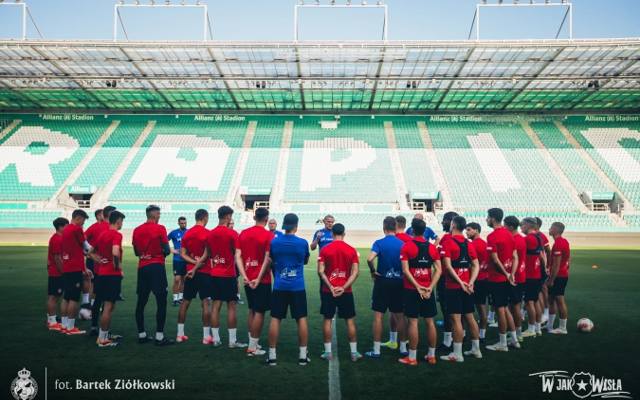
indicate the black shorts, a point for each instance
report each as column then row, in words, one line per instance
column 416, row 307
column 179, row 268
column 459, row 302
column 387, row 295
column 201, row 283
column 108, row 288
column 532, row 289
column 559, row 285
column 224, row 289
column 296, row 302
column 500, row 292
column 259, row 299
column 517, row 293
column 72, row 285
column 344, row 303
column 89, row 263
column 481, row 292
column 543, row 274
column 55, row 286
column 152, row 278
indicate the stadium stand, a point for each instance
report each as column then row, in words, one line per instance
column 188, row 162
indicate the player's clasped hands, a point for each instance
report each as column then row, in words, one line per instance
column 337, row 291
column 425, row 292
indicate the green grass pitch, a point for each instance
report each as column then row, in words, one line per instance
column 609, row 295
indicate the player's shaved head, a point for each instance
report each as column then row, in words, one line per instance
column 153, row 212
column 418, row 226
column 401, row 222
column 338, row 230
column 261, row 214
column 60, row 222
column 512, row 223
column 225, row 212
column 458, row 223
column 273, row 224
column 556, row 229
column 107, row 211
column 389, row 224
column 202, row 214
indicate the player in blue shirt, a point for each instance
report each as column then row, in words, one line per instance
column 289, row 254
column 429, row 234
column 323, row 236
column 273, row 228
column 179, row 265
column 387, row 284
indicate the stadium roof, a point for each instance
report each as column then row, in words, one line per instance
column 538, row 76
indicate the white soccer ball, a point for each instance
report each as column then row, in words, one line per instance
column 585, row 325
column 85, row 314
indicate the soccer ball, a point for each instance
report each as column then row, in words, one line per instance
column 85, row 314
column 585, row 325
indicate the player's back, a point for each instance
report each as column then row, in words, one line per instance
column 289, row 253
column 222, row 243
column 72, row 248
column 388, row 251
column 148, row 238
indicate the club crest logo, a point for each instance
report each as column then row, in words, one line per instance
column 24, row 387
column 581, row 384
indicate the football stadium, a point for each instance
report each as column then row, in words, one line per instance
column 262, row 159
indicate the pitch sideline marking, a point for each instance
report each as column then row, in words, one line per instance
column 334, row 366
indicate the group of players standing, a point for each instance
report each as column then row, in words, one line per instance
column 414, row 268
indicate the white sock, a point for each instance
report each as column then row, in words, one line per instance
column 51, row 319
column 85, row 298
column 159, row 335
column 531, row 328
column 180, row 296
column 272, row 353
column 376, row 347
column 175, row 297
column 103, row 335
column 393, row 336
column 71, row 323
column 448, row 339
column 353, row 346
column 514, row 336
column 491, row 316
column 303, row 352
column 503, row 339
column 327, row 347
column 432, row 352
column 545, row 313
column 403, row 346
column 483, row 332
column 92, row 300
column 519, row 331
column 232, row 335
column 457, row 349
column 475, row 345
column 253, row 344
column 206, row 332
column 63, row 321
column 413, row 354
column 563, row 324
column 180, row 329
column 552, row 319
column 464, row 333
column 538, row 329
column 142, row 335
column 215, row 332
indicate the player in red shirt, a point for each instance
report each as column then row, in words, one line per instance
column 74, row 271
column 502, row 257
column 338, row 270
column 92, row 233
column 151, row 246
column 544, row 293
column 447, row 337
column 54, row 271
column 418, row 257
column 534, row 264
column 107, row 255
column 517, row 292
column 197, row 282
column 220, row 248
column 252, row 259
column 460, row 270
column 558, row 278
column 481, row 287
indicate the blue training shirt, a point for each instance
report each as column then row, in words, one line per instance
column 327, row 237
column 288, row 253
column 277, row 233
column 388, row 251
column 176, row 238
column 429, row 234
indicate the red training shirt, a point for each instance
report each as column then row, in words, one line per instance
column 404, row 237
column 55, row 248
column 338, row 258
column 222, row 243
column 452, row 250
column 422, row 275
column 483, row 258
column 194, row 242
column 104, row 248
column 501, row 242
column 72, row 249
column 148, row 239
column 532, row 262
column 254, row 243
column 521, row 248
column 93, row 232
column 561, row 248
